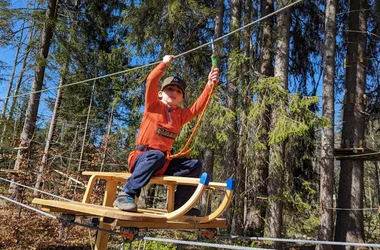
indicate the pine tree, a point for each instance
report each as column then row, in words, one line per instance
column 326, row 225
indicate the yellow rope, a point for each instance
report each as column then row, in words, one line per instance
column 184, row 150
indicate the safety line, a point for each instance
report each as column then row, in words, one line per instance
column 151, row 64
column 197, row 243
column 53, row 195
column 308, row 241
column 56, row 217
column 29, row 207
column 243, row 27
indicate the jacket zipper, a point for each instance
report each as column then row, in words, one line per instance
column 170, row 116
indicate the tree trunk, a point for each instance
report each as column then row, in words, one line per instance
column 107, row 138
column 53, row 123
column 209, row 151
column 208, row 168
column 349, row 223
column 260, row 174
column 10, row 86
column 277, row 151
column 231, row 157
column 34, row 99
column 377, row 181
column 326, row 202
column 244, row 132
column 22, row 71
column 85, row 128
column 10, row 83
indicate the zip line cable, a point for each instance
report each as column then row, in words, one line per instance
column 308, row 241
column 29, row 207
column 239, row 29
column 19, row 184
column 152, row 64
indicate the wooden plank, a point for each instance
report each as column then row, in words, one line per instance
column 177, row 180
column 360, row 154
column 217, row 223
column 97, row 210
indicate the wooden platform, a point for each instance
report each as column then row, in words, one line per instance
column 148, row 218
column 361, row 154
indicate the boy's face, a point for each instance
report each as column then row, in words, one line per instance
column 171, row 95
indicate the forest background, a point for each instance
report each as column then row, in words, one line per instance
column 294, row 86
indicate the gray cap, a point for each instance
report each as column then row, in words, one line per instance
column 173, row 80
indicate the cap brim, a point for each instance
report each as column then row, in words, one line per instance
column 176, row 84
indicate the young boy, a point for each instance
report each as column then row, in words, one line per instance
column 161, row 123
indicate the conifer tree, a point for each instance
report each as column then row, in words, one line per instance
column 326, row 224
column 350, row 222
column 34, row 100
column 276, row 155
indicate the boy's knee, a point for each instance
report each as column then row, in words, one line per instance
column 197, row 168
column 157, row 155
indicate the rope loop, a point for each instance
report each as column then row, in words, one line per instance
column 184, row 151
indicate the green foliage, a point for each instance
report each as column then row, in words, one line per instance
column 302, row 217
column 291, row 114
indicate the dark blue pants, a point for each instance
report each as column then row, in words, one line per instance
column 149, row 162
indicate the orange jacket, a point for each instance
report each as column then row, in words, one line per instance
column 161, row 125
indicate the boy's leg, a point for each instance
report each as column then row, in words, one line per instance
column 185, row 168
column 146, row 164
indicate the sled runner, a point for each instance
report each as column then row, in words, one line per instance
column 147, row 218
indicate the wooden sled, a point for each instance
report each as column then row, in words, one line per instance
column 148, row 218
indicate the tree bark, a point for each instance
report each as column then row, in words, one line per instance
column 260, row 174
column 231, row 157
column 326, row 202
column 209, row 151
column 3, row 123
column 34, row 99
column 107, row 138
column 86, row 127
column 277, row 151
column 50, row 136
column 349, row 223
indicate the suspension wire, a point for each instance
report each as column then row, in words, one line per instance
column 29, row 207
column 197, row 243
column 38, row 190
column 239, row 29
column 308, row 241
column 155, row 63
column 56, row 217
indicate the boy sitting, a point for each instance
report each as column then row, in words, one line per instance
column 161, row 123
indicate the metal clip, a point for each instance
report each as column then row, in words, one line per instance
column 66, row 220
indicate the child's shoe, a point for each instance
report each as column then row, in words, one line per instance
column 125, row 202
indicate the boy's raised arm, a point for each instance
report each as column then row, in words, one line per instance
column 151, row 94
column 198, row 105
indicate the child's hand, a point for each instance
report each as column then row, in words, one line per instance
column 213, row 77
column 168, row 59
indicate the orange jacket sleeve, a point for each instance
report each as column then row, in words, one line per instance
column 151, row 93
column 192, row 111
